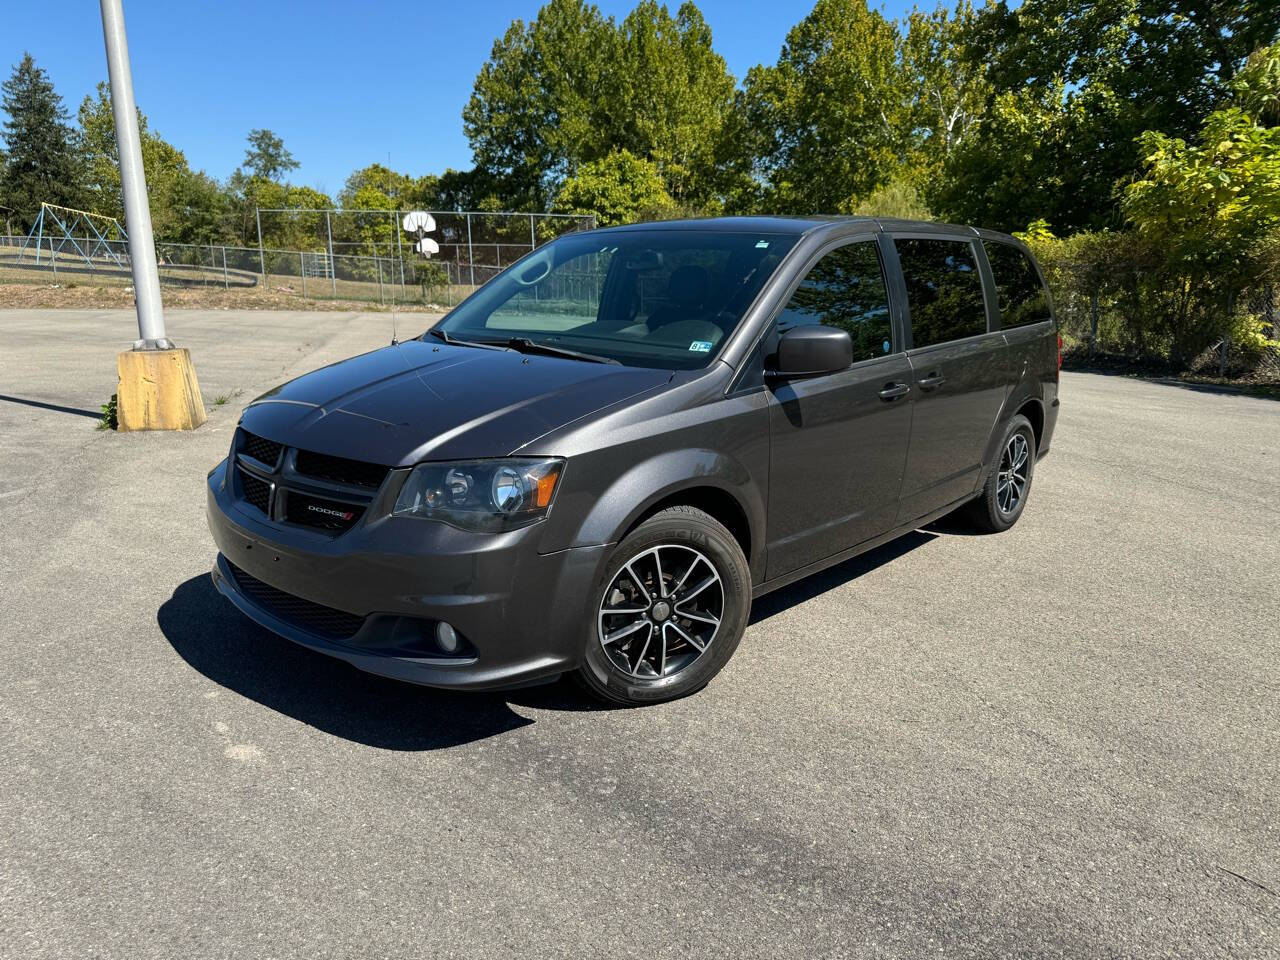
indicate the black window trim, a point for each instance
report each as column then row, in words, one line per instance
column 896, row 314
column 974, row 240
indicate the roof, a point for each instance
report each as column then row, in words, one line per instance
column 770, row 224
column 788, row 225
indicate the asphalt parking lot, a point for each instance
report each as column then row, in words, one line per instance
column 1059, row 741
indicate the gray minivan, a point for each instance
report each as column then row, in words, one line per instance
column 596, row 462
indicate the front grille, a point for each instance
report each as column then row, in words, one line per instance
column 256, row 491
column 317, row 512
column 260, row 448
column 312, row 617
column 322, row 466
column 319, row 491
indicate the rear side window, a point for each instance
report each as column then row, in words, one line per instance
column 1021, row 294
column 846, row 289
column 944, row 290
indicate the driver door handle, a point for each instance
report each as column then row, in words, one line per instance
column 932, row 382
column 892, row 391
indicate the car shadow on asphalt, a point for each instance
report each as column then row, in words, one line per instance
column 813, row 586
column 330, row 695
column 216, row 640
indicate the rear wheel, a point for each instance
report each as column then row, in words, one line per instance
column 670, row 609
column 1008, row 484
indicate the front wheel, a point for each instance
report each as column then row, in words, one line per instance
column 1008, row 483
column 670, row 610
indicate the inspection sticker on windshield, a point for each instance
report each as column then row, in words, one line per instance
column 700, row 346
column 762, row 244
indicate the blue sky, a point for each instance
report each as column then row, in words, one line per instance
column 343, row 88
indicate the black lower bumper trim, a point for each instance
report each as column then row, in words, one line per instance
column 304, row 614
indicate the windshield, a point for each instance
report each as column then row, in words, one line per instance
column 652, row 298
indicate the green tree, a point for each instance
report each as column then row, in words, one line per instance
column 947, row 83
column 572, row 86
column 537, row 109
column 185, row 206
column 202, row 210
column 1009, row 171
column 400, row 190
column 829, row 122
column 895, row 199
column 375, row 233
column 249, row 200
column 42, row 161
column 671, row 94
column 298, row 229
column 1115, row 68
column 267, row 157
column 620, row 188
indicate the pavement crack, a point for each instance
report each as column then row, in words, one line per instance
column 1240, row 876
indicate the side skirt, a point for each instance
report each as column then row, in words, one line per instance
column 768, row 586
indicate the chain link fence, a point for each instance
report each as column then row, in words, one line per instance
column 358, row 256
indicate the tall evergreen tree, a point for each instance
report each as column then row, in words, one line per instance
column 42, row 161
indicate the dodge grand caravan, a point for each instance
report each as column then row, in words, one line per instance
column 596, row 462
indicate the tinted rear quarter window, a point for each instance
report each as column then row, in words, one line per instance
column 846, row 289
column 1020, row 293
column 944, row 290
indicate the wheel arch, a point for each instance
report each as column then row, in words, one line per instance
column 705, row 479
column 716, row 502
column 1033, row 409
column 1020, row 401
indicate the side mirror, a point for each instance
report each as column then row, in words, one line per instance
column 812, row 350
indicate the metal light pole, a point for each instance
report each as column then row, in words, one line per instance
column 158, row 388
column 133, row 183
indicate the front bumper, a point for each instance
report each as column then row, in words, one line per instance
column 524, row 614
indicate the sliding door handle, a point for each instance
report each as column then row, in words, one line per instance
column 932, row 382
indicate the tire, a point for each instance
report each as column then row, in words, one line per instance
column 1000, row 505
column 664, row 643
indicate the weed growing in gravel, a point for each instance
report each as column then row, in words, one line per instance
column 108, row 419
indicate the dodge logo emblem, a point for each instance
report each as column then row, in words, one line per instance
column 340, row 514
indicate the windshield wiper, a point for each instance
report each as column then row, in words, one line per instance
column 453, row 341
column 525, row 345
column 521, row 344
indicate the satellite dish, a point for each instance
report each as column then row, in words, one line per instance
column 419, row 221
column 427, row 245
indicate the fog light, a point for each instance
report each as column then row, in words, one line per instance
column 447, row 637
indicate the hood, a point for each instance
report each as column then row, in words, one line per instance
column 426, row 401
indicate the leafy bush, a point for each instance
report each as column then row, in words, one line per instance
column 1204, row 238
column 1208, row 216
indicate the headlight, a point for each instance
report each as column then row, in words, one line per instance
column 482, row 495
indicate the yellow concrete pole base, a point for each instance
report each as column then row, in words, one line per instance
column 158, row 391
